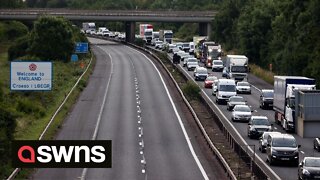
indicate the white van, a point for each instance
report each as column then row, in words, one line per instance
column 225, row 89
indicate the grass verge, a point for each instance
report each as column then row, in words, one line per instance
column 262, row 73
column 34, row 109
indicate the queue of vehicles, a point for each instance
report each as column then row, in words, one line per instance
column 279, row 147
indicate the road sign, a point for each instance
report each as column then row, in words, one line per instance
column 74, row 58
column 81, row 47
column 31, row 76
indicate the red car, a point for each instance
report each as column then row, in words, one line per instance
column 209, row 81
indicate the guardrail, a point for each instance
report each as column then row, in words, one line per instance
column 234, row 139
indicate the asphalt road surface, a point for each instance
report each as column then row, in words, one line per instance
column 128, row 101
column 284, row 171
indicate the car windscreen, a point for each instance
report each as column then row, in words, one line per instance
column 243, row 84
column 284, row 142
column 312, row 163
column 211, row 78
column 228, row 88
column 237, row 99
column 261, row 122
column 268, row 94
column 168, row 35
column 192, row 60
column 242, row 109
column 148, row 33
column 218, row 62
column 202, row 71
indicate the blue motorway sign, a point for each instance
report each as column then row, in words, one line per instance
column 74, row 58
column 81, row 47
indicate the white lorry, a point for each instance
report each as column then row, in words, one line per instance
column 166, row 36
column 155, row 37
column 285, row 88
column 146, row 32
column 87, row 27
column 237, row 67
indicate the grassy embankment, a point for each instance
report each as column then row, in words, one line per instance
column 34, row 109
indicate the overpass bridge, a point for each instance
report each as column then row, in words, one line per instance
column 130, row 17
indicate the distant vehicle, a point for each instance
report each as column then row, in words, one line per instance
column 316, row 144
column 175, row 50
column 185, row 56
column 186, row 47
column 166, row 36
column 224, row 72
column 171, row 47
column 225, row 89
column 211, row 51
column 190, row 59
column 217, row 65
column 198, row 45
column 235, row 100
column 266, row 98
column 106, row 33
column 155, row 37
column 93, row 32
column 237, row 67
column 191, row 50
column 146, row 32
column 258, row 125
column 282, row 148
column 214, row 87
column 200, row 73
column 87, row 26
column 159, row 44
column 284, row 98
column 179, row 45
column 309, row 168
column 263, row 140
column 243, row 87
column 192, row 65
column 112, row 34
column 241, row 113
column 100, row 30
column 209, row 81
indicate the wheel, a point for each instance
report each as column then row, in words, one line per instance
column 271, row 162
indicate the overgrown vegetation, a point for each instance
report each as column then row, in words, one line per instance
column 23, row 115
column 282, row 33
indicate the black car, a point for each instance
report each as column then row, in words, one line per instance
column 266, row 98
column 258, row 125
column 309, row 168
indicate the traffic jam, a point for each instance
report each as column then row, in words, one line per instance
column 280, row 120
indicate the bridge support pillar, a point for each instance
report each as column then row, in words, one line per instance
column 130, row 31
column 204, row 29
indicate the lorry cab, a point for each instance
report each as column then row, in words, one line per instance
column 225, row 89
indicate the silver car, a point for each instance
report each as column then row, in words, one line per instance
column 241, row 113
column 257, row 125
column 243, row 87
column 263, row 140
column 190, row 59
column 235, row 100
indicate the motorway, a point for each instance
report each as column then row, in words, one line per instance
column 282, row 170
column 128, row 102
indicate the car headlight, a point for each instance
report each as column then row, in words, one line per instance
column 209, row 64
column 305, row 172
column 273, row 151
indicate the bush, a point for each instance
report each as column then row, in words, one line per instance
column 139, row 42
column 19, row 48
column 191, row 90
column 28, row 107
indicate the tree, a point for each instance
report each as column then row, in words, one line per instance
column 52, row 39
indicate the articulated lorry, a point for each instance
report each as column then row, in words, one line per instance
column 285, row 88
column 198, row 43
column 237, row 67
column 146, row 32
column 87, row 27
column 166, row 36
column 211, row 51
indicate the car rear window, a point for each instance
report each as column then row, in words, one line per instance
column 312, row 163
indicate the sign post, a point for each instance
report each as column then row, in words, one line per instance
column 31, row 76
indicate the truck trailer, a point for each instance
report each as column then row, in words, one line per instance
column 237, row 67
column 146, row 32
column 285, row 88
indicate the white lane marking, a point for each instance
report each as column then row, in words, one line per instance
column 302, row 152
column 204, row 174
column 94, row 136
column 239, row 135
